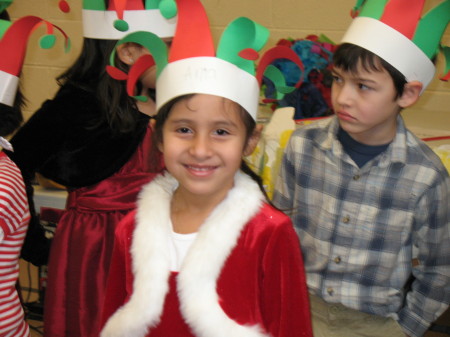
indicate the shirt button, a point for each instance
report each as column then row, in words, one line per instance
column 337, row 259
column 346, row 219
column 356, row 177
column 330, row 291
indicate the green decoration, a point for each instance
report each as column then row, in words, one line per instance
column 47, row 41
column 431, row 28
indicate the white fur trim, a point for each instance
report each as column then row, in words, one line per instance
column 393, row 47
column 100, row 24
column 150, row 259
column 208, row 75
column 200, row 270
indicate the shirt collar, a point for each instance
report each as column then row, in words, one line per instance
column 396, row 152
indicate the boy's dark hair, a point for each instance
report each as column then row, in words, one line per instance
column 248, row 121
column 11, row 116
column 348, row 57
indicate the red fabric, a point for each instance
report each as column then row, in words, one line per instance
column 81, row 250
column 262, row 281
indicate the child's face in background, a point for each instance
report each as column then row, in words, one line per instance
column 148, row 78
column 365, row 104
column 204, row 138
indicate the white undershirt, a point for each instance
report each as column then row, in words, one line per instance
column 179, row 245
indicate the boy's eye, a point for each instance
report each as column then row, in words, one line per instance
column 363, row 86
column 336, row 79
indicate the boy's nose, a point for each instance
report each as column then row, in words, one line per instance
column 343, row 94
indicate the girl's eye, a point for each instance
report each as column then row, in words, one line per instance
column 183, row 130
column 221, row 132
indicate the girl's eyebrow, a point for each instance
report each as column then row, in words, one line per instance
column 218, row 123
column 180, row 120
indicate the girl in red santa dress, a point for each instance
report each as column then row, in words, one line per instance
column 205, row 254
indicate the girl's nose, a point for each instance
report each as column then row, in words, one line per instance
column 201, row 146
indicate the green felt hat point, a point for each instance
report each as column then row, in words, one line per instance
column 47, row 41
column 68, row 46
column 285, row 89
column 121, row 25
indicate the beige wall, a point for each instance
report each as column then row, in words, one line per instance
column 285, row 18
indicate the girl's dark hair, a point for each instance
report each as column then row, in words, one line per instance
column 88, row 72
column 248, row 121
column 11, row 116
column 349, row 56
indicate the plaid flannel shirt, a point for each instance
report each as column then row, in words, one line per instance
column 358, row 226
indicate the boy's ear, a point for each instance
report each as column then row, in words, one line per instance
column 253, row 140
column 128, row 52
column 411, row 94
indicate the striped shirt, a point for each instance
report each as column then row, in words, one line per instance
column 14, row 218
column 358, row 226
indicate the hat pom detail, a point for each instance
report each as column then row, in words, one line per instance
column 64, row 6
column 121, row 25
column 168, row 8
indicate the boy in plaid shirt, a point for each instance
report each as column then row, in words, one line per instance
column 362, row 190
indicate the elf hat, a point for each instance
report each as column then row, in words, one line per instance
column 13, row 46
column 193, row 67
column 125, row 16
column 396, row 31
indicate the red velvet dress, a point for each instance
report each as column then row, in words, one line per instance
column 243, row 275
column 81, row 250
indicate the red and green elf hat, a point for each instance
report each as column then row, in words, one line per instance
column 122, row 17
column 13, row 45
column 192, row 65
column 396, row 31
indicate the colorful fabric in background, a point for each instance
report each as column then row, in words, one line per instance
column 266, row 159
column 313, row 97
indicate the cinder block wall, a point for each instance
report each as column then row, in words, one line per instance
column 285, row 18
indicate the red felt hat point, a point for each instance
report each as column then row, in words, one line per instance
column 115, row 73
column 445, row 78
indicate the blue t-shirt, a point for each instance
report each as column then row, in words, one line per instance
column 360, row 153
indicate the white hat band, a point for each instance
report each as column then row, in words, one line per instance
column 391, row 46
column 8, row 88
column 208, row 75
column 100, row 24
